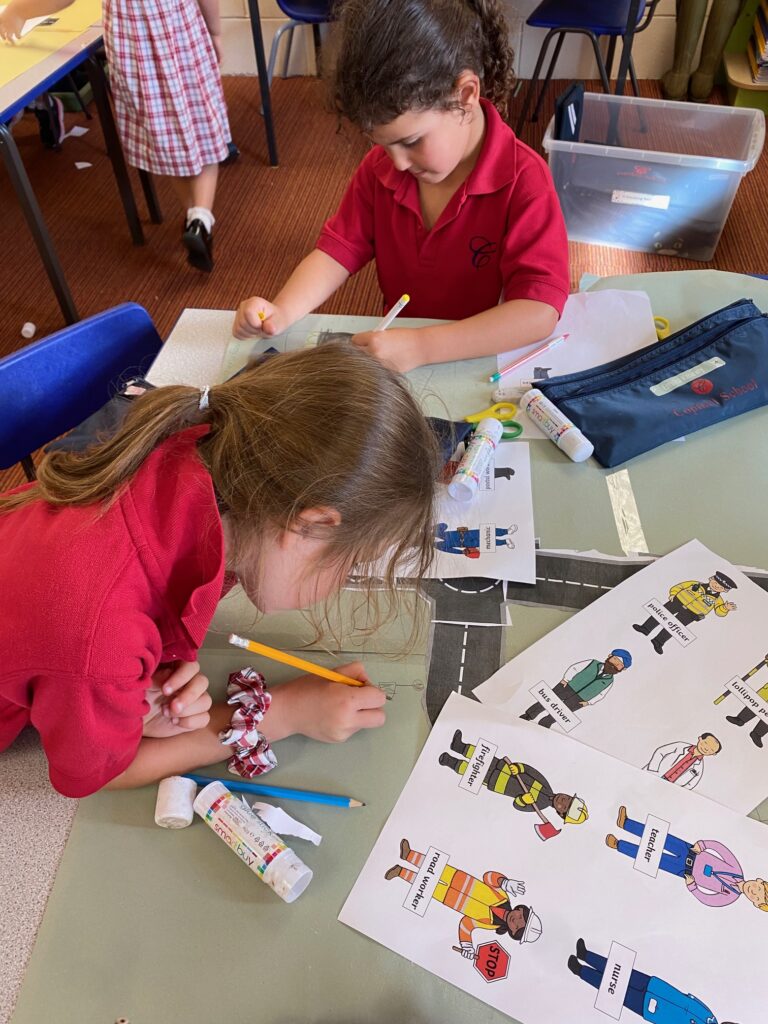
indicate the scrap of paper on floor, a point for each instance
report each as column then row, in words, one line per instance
column 461, row 846
column 601, row 326
column 680, row 678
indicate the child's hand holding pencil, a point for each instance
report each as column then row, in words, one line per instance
column 322, row 710
column 258, row 318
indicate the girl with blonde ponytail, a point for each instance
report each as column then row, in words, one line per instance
column 112, row 563
column 456, row 212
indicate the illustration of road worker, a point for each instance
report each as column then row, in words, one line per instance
column 649, row 997
column 689, row 602
column 746, row 714
column 527, row 787
column 709, row 869
column 485, row 904
column 464, row 541
column 583, row 683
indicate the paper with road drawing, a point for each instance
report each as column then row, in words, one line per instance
column 668, row 671
column 558, row 884
column 601, row 326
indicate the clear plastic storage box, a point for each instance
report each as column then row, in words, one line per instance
column 654, row 175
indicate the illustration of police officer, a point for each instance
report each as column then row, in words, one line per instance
column 689, row 602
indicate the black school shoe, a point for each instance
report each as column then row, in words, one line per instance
column 50, row 120
column 233, row 153
column 198, row 241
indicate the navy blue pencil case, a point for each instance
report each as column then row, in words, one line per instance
column 712, row 370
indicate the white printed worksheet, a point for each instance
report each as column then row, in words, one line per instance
column 558, row 884
column 492, row 535
column 668, row 671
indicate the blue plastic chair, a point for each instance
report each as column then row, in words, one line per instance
column 591, row 18
column 300, row 12
column 52, row 385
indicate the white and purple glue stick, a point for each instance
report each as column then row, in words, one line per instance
column 556, row 426
column 479, row 452
column 253, row 841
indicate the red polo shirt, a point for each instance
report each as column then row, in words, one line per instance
column 91, row 604
column 501, row 236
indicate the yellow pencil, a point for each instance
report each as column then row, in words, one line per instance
column 290, row 659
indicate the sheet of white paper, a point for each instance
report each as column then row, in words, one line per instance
column 601, row 326
column 81, row 165
column 652, row 713
column 76, row 131
column 608, row 934
column 492, row 535
column 30, row 23
column 280, row 821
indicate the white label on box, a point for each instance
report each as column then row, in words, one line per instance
column 425, row 883
column 477, row 768
column 651, row 846
column 615, row 982
column 640, row 199
column 700, row 370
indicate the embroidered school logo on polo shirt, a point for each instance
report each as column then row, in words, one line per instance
column 482, row 249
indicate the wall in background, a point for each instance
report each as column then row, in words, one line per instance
column 238, row 42
column 652, row 50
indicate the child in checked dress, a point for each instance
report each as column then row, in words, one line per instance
column 164, row 69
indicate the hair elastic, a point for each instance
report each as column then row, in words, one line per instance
column 204, row 392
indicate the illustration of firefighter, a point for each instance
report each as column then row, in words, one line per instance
column 689, row 602
column 486, row 904
column 747, row 714
column 527, row 787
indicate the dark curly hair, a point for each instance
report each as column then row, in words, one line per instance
column 390, row 56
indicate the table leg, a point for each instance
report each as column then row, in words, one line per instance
column 150, row 196
column 114, row 149
column 261, row 65
column 34, row 219
column 626, row 49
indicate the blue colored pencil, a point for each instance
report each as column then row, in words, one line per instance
column 307, row 796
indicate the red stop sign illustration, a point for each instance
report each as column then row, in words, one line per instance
column 492, row 961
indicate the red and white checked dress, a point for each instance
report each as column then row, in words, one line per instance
column 165, row 78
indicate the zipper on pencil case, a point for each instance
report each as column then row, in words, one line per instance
column 629, row 371
column 656, row 351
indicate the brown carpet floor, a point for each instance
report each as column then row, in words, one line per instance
column 268, row 219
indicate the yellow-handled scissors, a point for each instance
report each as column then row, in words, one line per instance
column 504, row 412
column 663, row 327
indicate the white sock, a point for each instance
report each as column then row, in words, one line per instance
column 202, row 214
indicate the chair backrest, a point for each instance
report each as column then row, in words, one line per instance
column 311, row 12
column 52, row 385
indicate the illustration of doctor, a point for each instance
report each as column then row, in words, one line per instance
column 485, row 904
column 683, row 763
